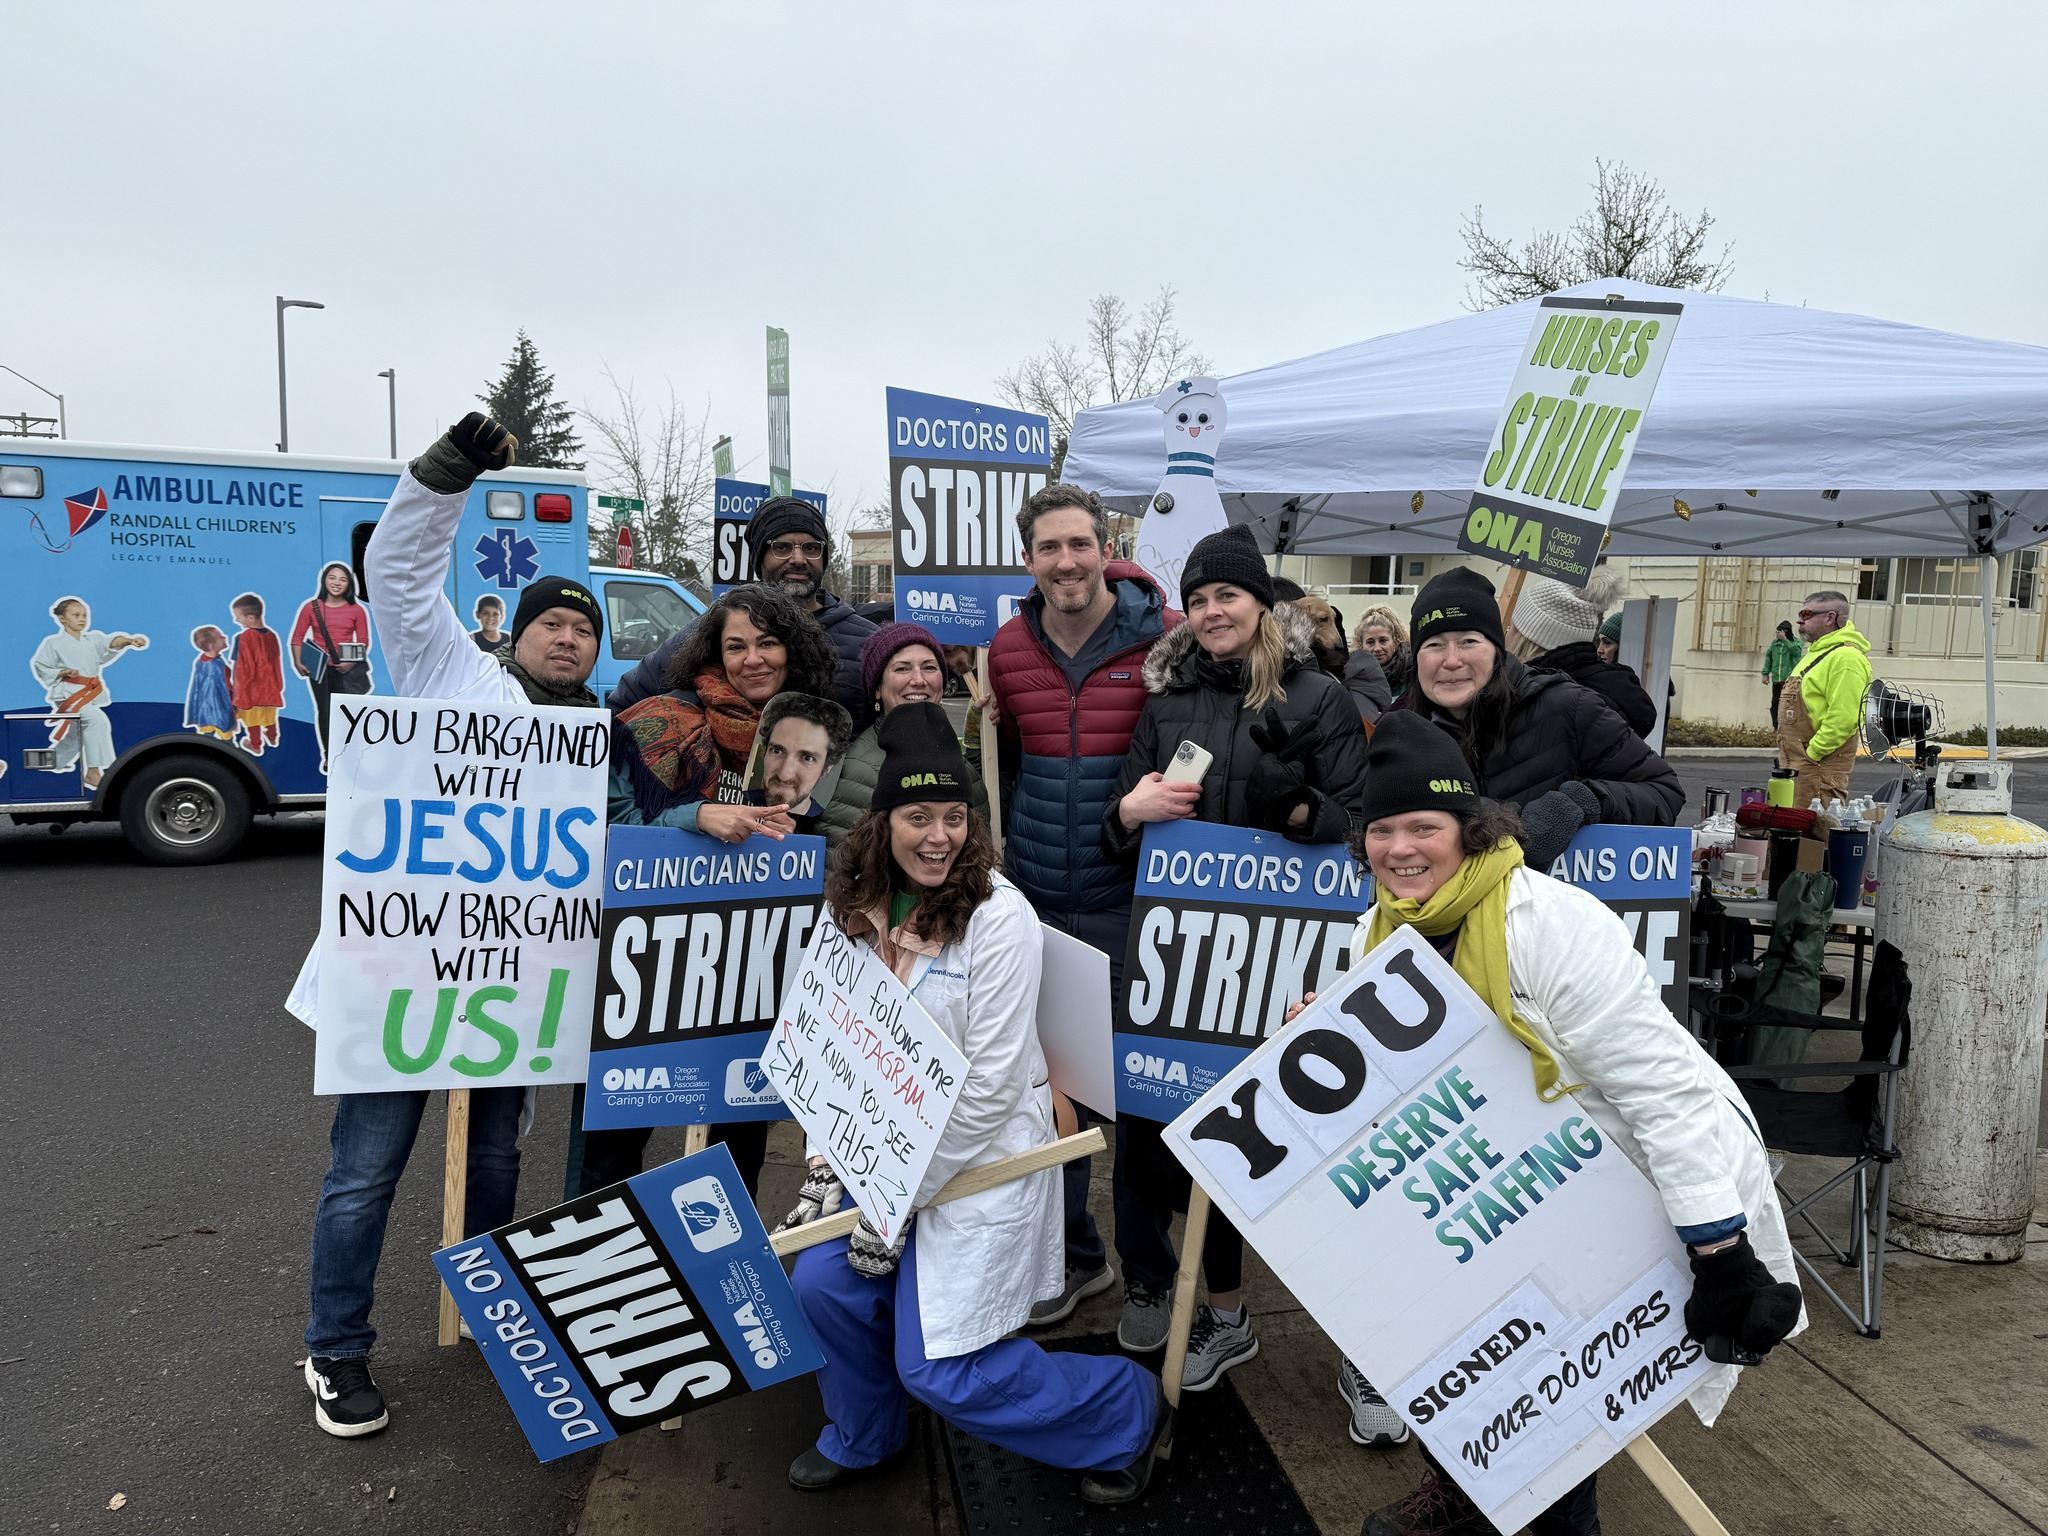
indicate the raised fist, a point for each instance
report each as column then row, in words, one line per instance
column 483, row 442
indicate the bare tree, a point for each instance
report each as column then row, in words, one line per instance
column 1122, row 355
column 663, row 458
column 1630, row 231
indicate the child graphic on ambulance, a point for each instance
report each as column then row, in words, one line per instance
column 68, row 665
column 257, row 675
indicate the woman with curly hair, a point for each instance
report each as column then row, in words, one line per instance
column 1382, row 636
column 927, row 1316
column 679, row 759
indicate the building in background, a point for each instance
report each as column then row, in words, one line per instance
column 872, row 574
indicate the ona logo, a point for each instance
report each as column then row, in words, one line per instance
column 920, row 780
column 932, row 602
column 1158, row 1068
column 1450, row 787
column 707, row 1214
column 756, row 1336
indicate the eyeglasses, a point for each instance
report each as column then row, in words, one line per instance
column 1820, row 613
column 810, row 549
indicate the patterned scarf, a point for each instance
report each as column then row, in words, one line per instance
column 1474, row 904
column 674, row 745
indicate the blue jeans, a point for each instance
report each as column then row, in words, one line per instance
column 1064, row 1409
column 372, row 1139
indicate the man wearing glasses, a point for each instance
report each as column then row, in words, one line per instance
column 1821, row 712
column 789, row 548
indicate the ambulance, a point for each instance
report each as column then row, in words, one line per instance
column 177, row 620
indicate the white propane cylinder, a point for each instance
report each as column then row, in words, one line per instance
column 1964, row 895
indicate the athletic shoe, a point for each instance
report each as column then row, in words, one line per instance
column 1147, row 1313
column 1438, row 1508
column 1081, row 1284
column 346, row 1401
column 1372, row 1421
column 1128, row 1483
column 1214, row 1346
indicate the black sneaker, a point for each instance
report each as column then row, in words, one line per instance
column 345, row 1398
column 1438, row 1508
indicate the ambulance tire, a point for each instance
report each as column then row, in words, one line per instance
column 184, row 810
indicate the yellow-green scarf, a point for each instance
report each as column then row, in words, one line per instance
column 1476, row 897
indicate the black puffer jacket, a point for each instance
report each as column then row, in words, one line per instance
column 1617, row 684
column 1196, row 699
column 1557, row 731
column 1367, row 684
column 847, row 631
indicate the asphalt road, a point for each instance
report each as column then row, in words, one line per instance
column 164, row 1150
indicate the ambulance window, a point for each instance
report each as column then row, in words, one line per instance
column 24, row 480
column 358, row 541
column 640, row 615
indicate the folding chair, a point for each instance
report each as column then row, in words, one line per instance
column 1857, row 1123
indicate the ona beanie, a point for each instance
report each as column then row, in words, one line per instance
column 545, row 592
column 921, row 758
column 1231, row 555
column 1458, row 599
column 1413, row 765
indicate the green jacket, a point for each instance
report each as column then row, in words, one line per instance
column 1832, row 678
column 1781, row 659
column 859, row 772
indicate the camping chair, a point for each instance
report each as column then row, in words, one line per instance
column 1857, row 1123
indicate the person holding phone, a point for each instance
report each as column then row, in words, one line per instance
column 1285, row 748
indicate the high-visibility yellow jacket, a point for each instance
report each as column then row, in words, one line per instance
column 1833, row 676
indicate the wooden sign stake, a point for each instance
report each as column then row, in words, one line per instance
column 1671, row 1483
column 454, row 1198
column 991, row 752
column 1183, row 1317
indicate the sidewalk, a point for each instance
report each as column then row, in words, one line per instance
column 1937, row 1426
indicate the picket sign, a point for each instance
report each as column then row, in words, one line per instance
column 1499, row 1268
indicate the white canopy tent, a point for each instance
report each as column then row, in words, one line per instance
column 1784, row 431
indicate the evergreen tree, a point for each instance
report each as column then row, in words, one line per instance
column 523, row 401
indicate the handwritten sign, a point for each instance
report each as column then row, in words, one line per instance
column 460, row 894
column 866, row 1072
column 1495, row 1264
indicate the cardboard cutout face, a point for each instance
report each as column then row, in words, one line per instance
column 796, row 759
column 793, row 762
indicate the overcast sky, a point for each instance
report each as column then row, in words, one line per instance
column 922, row 194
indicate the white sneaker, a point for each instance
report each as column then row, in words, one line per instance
column 1373, row 1423
column 1214, row 1346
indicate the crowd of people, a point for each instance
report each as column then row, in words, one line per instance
column 1456, row 754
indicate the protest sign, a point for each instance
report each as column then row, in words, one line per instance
column 958, row 475
column 732, row 507
column 700, row 940
column 1495, row 1264
column 778, row 411
column 631, row 1304
column 459, row 894
column 1228, row 927
column 866, row 1072
column 1644, row 876
column 1075, row 1021
column 1553, row 472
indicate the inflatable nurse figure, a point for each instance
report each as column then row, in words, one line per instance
column 1185, row 507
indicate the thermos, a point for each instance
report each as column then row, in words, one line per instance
column 1780, row 789
column 1716, row 803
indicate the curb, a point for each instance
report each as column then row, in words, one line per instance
column 1949, row 754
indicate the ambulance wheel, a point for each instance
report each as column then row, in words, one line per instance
column 184, row 810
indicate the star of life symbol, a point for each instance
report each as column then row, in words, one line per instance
column 507, row 558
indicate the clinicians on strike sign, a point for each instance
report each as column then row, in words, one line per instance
column 1547, row 487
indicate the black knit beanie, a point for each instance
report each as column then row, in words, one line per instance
column 921, row 758
column 1413, row 765
column 784, row 514
column 1231, row 555
column 547, row 592
column 1460, row 598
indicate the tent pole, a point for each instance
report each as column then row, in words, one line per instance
column 1987, row 575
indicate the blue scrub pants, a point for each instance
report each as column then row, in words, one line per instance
column 1090, row 1412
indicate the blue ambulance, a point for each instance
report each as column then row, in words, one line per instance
column 176, row 620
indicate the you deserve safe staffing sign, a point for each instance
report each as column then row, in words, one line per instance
column 1561, row 449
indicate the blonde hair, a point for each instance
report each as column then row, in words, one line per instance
column 1265, row 663
column 1385, row 619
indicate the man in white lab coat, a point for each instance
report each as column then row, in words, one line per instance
column 555, row 633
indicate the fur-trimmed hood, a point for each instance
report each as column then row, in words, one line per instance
column 1170, row 664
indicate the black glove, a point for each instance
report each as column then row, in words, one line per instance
column 869, row 1255
column 1278, row 784
column 1549, row 822
column 474, row 444
column 1738, row 1309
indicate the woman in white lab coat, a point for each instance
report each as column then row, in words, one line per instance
column 927, row 1316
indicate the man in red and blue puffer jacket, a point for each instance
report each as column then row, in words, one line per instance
column 1067, row 677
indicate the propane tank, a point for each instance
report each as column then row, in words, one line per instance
column 1964, row 895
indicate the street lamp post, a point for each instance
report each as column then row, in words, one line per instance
column 284, row 436
column 392, row 375
column 32, row 384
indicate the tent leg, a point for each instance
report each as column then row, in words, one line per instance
column 1987, row 577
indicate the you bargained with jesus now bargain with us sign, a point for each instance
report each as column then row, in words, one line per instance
column 460, row 893
column 701, row 940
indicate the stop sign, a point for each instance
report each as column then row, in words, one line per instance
column 625, row 555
